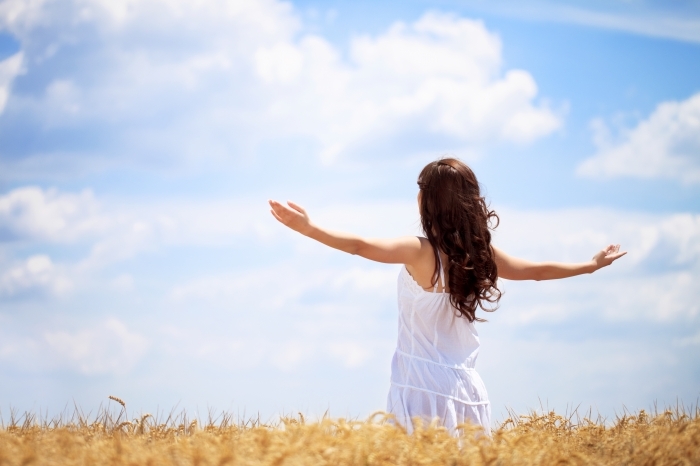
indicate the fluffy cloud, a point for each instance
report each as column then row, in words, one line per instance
column 175, row 80
column 9, row 69
column 440, row 75
column 654, row 281
column 32, row 217
column 656, row 242
column 47, row 215
column 108, row 347
column 37, row 274
column 665, row 145
column 117, row 231
column 136, row 228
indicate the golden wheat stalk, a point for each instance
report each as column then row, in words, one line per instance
column 142, row 422
column 118, row 400
column 123, row 424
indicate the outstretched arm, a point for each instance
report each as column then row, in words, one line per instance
column 403, row 250
column 513, row 268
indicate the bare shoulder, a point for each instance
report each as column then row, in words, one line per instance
column 423, row 268
column 426, row 251
column 419, row 248
column 498, row 254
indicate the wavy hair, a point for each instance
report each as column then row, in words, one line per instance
column 456, row 220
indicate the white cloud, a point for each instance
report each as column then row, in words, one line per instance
column 37, row 274
column 669, row 297
column 105, row 348
column 36, row 214
column 439, row 75
column 180, row 81
column 280, row 63
column 655, row 281
column 665, row 145
column 9, row 69
column 135, row 228
column 118, row 231
column 576, row 234
column 112, row 233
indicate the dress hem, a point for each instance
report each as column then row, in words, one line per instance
column 454, row 398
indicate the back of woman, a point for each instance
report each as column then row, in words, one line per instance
column 447, row 276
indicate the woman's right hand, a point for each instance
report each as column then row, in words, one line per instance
column 291, row 215
column 403, row 250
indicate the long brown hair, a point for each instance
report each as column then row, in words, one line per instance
column 456, row 220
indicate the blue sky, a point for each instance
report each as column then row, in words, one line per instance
column 140, row 140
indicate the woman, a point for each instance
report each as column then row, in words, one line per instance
column 448, row 274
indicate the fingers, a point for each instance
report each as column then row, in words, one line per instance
column 614, row 253
column 296, row 207
column 612, row 248
column 274, row 214
column 609, row 254
column 279, row 208
column 287, row 215
column 617, row 255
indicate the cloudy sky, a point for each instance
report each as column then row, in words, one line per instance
column 140, row 140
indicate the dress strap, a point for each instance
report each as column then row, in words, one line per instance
column 441, row 280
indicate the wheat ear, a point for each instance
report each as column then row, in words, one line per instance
column 118, row 400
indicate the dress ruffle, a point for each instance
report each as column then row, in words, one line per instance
column 409, row 404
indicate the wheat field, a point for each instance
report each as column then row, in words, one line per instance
column 671, row 437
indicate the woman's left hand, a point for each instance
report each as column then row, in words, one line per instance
column 608, row 255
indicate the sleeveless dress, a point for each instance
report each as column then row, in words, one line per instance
column 432, row 371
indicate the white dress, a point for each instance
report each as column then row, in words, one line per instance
column 432, row 372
